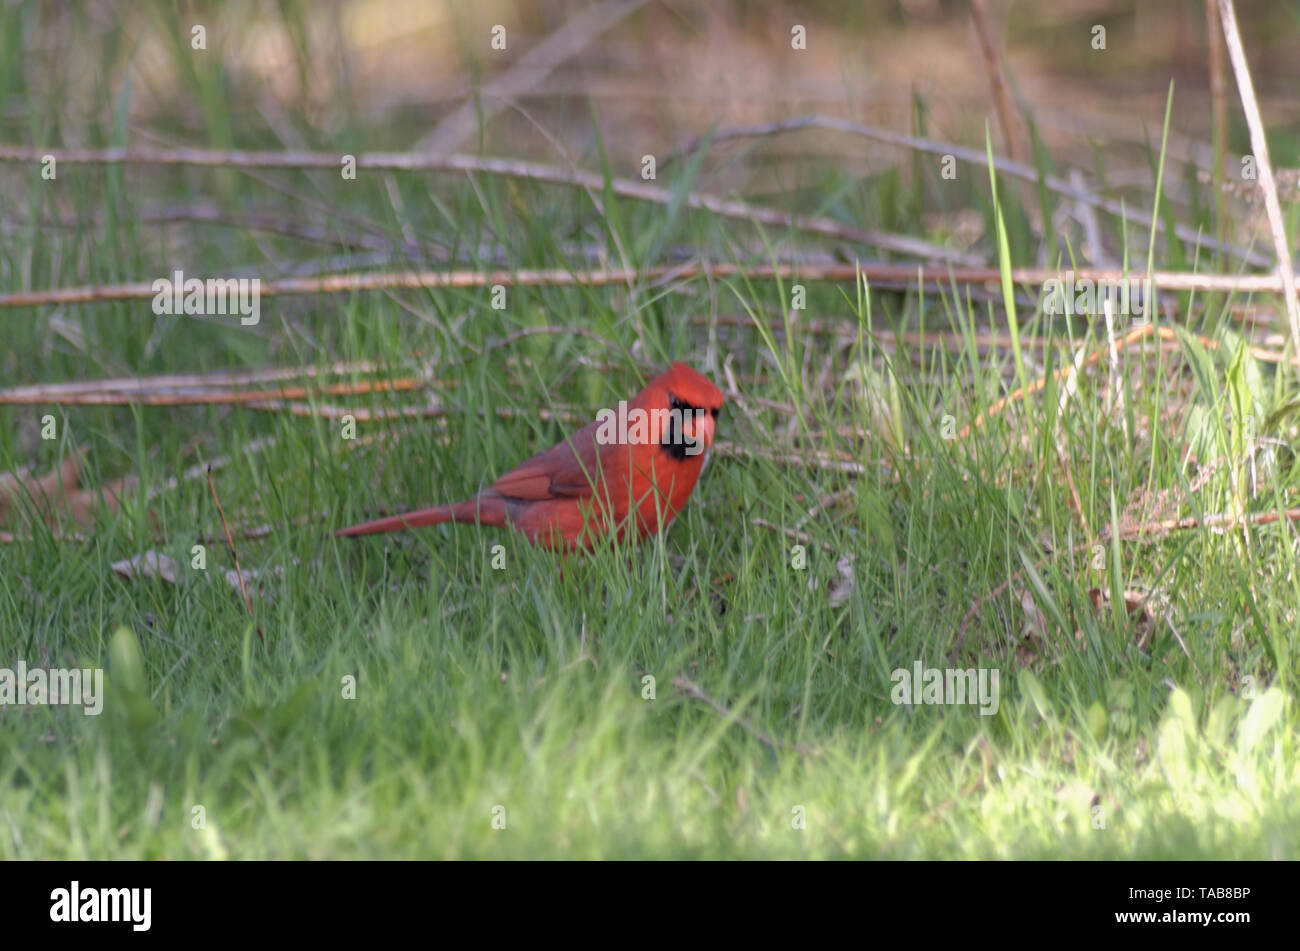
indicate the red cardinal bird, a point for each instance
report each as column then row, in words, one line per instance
column 630, row 471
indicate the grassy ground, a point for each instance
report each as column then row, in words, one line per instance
column 714, row 693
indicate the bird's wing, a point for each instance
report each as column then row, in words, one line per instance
column 568, row 469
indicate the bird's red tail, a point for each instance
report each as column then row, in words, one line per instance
column 472, row 512
column 397, row 523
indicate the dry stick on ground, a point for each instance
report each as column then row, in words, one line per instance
column 510, row 168
column 823, row 503
column 1259, row 144
column 1067, row 391
column 948, row 340
column 1147, row 533
column 798, row 536
column 997, row 78
column 969, row 616
column 526, row 74
column 1133, row 336
column 975, row 157
column 939, row 277
column 692, row 689
column 187, row 389
column 135, row 384
column 258, row 445
column 276, row 223
column 248, row 602
column 362, row 415
column 204, row 382
column 214, row 387
column 791, row 457
column 1218, row 112
column 1151, row 531
column 9, row 538
column 88, row 397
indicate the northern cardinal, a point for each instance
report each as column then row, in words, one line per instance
column 629, row 471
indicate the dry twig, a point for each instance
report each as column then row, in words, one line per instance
column 1259, row 145
column 692, row 689
column 248, row 602
column 937, row 277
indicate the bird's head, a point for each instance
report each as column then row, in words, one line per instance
column 691, row 403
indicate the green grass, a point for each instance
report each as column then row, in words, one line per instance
column 525, row 688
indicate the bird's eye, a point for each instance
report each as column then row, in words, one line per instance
column 674, row 402
column 714, row 412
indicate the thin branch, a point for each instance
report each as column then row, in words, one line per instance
column 510, row 168
column 1218, row 113
column 531, row 69
column 797, row 536
column 980, row 14
column 692, row 689
column 1130, row 338
column 87, row 395
column 133, row 384
column 791, row 457
column 1259, row 145
column 248, row 602
column 969, row 616
column 937, row 277
column 1153, row 531
column 977, row 157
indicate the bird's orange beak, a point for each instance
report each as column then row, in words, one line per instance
column 705, row 425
